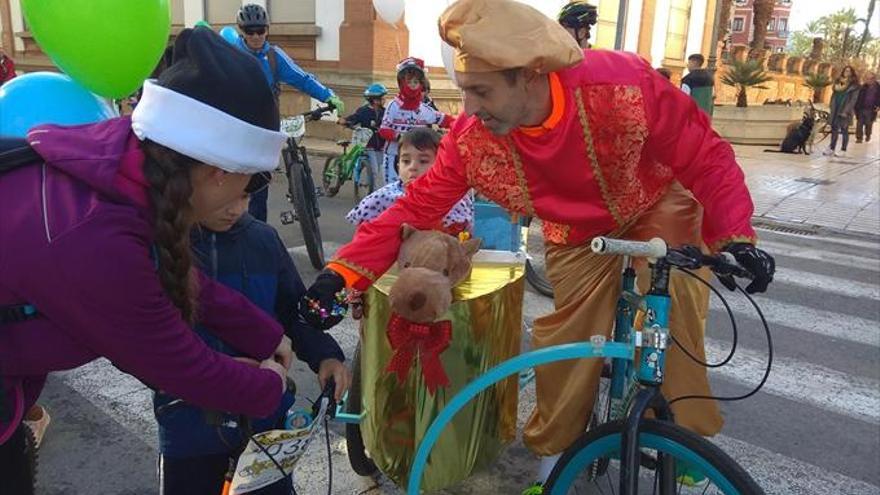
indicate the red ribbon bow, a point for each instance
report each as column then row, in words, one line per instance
column 428, row 339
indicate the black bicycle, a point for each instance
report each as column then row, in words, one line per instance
column 301, row 190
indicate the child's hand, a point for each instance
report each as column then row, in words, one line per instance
column 340, row 373
column 283, row 355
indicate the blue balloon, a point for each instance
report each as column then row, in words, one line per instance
column 229, row 34
column 48, row 98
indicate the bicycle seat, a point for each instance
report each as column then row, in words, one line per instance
column 343, row 142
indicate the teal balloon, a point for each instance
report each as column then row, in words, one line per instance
column 38, row 98
column 229, row 34
column 202, row 24
column 108, row 46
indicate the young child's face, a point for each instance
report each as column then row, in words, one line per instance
column 224, row 218
column 414, row 162
column 413, row 80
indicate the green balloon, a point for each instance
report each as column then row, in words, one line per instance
column 108, row 46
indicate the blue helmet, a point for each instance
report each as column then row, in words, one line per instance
column 375, row 90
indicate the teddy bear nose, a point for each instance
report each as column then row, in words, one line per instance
column 417, row 301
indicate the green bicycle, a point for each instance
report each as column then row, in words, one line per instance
column 352, row 165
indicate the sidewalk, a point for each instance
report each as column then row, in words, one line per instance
column 805, row 192
column 815, row 192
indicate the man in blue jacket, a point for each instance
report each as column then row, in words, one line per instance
column 237, row 250
column 253, row 22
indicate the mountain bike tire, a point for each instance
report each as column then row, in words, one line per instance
column 302, row 195
column 724, row 473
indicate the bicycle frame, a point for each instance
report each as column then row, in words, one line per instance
column 350, row 160
column 652, row 341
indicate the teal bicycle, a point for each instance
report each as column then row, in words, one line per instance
column 352, row 165
column 621, row 443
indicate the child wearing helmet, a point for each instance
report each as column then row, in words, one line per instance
column 369, row 116
column 407, row 110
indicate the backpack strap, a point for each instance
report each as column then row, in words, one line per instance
column 272, row 57
column 15, row 153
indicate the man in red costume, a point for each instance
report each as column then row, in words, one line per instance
column 593, row 143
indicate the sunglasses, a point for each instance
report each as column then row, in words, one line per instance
column 255, row 31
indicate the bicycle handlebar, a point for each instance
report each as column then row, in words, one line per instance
column 655, row 248
column 684, row 257
column 317, row 113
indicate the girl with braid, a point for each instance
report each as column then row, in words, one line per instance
column 94, row 245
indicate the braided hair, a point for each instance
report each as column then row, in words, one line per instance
column 170, row 188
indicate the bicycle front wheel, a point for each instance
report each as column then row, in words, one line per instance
column 365, row 182
column 701, row 457
column 302, row 195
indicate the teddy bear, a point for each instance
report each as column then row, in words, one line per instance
column 430, row 264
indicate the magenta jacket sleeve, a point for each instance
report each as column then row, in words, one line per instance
column 682, row 138
column 236, row 320
column 104, row 292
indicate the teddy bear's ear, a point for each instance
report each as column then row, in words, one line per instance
column 407, row 230
column 471, row 246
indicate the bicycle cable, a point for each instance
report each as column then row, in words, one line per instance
column 766, row 371
column 732, row 324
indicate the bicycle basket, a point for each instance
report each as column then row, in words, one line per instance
column 361, row 136
column 294, row 127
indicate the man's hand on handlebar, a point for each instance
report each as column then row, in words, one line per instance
column 756, row 261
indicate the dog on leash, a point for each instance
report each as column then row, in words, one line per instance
column 798, row 134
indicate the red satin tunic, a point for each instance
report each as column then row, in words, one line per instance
column 618, row 135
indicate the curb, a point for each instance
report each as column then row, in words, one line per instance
column 807, row 229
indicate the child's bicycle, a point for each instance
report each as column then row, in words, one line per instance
column 680, row 460
column 351, row 165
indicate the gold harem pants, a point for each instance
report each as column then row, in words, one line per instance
column 586, row 288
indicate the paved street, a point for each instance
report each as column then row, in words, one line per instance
column 814, row 429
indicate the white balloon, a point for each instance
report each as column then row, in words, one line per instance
column 448, row 55
column 389, row 10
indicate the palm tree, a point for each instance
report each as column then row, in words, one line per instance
column 744, row 75
column 763, row 11
column 867, row 31
column 817, row 82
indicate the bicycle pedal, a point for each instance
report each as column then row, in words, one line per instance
column 287, row 217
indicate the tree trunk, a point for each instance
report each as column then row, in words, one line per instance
column 724, row 27
column 742, row 99
column 817, row 95
column 724, row 20
column 867, row 26
column 763, row 11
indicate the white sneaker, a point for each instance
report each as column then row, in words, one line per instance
column 37, row 419
column 828, row 152
column 841, row 154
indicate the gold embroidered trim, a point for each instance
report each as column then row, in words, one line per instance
column 368, row 274
column 594, row 162
column 556, row 233
column 719, row 244
column 521, row 178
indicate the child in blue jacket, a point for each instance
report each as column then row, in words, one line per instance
column 196, row 446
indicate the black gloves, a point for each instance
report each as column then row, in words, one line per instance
column 324, row 304
column 761, row 265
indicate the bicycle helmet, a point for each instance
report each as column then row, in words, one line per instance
column 578, row 14
column 411, row 64
column 252, row 15
column 375, row 90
